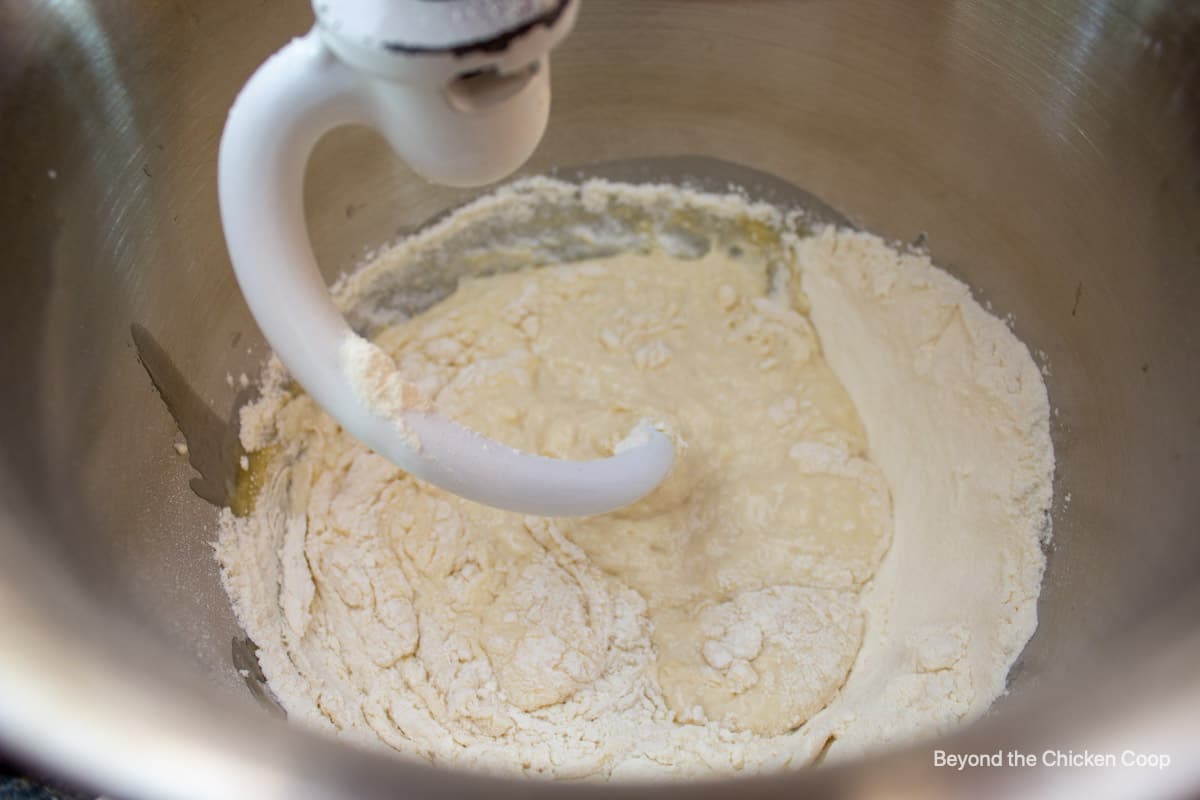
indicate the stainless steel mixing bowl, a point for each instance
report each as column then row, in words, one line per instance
column 1049, row 153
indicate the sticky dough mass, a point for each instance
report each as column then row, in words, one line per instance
column 723, row 605
column 747, row 557
column 752, row 613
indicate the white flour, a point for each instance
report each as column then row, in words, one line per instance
column 743, row 616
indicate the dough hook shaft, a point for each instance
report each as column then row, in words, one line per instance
column 412, row 92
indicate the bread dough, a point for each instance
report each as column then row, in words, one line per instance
column 709, row 627
column 727, row 597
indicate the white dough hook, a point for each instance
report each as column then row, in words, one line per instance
column 461, row 91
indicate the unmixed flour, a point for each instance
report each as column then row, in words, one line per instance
column 846, row 553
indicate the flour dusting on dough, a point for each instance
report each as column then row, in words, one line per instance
column 847, row 549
